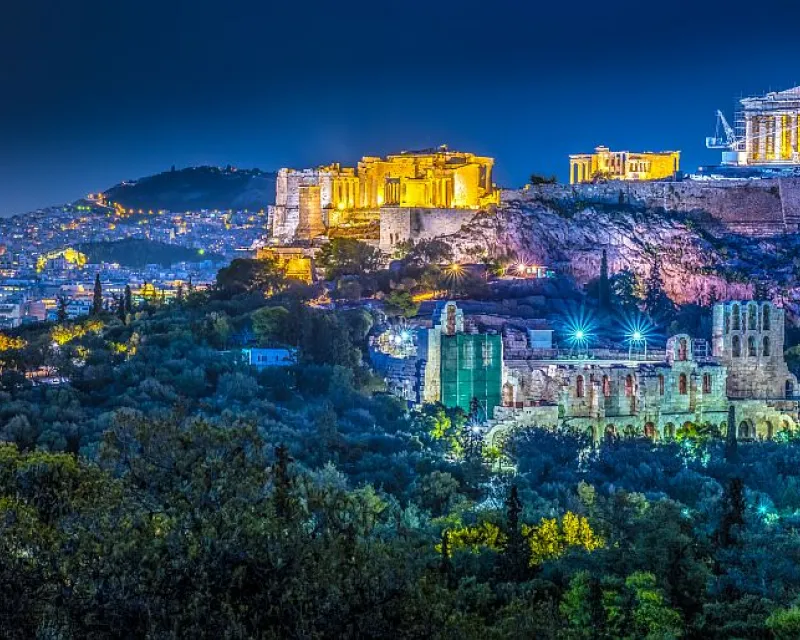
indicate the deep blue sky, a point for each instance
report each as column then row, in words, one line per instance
column 96, row 91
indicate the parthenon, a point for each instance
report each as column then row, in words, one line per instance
column 770, row 128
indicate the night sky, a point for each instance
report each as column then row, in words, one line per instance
column 96, row 91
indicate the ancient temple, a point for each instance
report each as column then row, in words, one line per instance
column 771, row 124
column 605, row 164
column 311, row 202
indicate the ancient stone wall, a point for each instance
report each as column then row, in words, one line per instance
column 753, row 207
column 399, row 224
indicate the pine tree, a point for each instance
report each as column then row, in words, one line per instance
column 603, row 288
column 128, row 299
column 97, row 298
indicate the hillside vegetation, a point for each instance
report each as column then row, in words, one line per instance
column 137, row 253
column 196, row 188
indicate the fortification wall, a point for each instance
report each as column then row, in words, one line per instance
column 752, row 207
column 399, row 224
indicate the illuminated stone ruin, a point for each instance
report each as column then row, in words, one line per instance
column 314, row 202
column 623, row 165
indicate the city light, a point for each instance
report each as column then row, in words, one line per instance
column 637, row 332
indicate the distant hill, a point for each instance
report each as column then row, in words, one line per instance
column 137, row 253
column 196, row 188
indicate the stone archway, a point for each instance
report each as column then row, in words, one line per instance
column 650, row 430
column 746, row 430
column 610, row 432
column 669, row 431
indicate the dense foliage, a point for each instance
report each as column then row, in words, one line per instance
column 166, row 489
column 137, row 253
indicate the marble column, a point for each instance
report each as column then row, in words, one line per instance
column 778, row 139
column 748, row 137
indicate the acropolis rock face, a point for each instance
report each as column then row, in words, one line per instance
column 698, row 264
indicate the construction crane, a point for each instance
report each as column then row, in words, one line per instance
column 730, row 142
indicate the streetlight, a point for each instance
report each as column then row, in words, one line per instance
column 636, row 338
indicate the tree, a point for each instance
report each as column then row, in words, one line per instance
column 401, row 303
column 128, row 299
column 516, row 555
column 120, row 308
column 61, row 309
column 604, row 287
column 785, row 623
column 627, row 289
column 348, row 257
column 656, row 301
column 733, row 508
column 245, row 275
column 97, row 297
column 271, row 324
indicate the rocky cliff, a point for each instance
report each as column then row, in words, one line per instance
column 697, row 266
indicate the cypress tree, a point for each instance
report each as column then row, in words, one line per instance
column 97, row 298
column 121, row 308
column 516, row 555
column 128, row 299
column 61, row 311
column 731, row 444
column 603, row 288
column 733, row 508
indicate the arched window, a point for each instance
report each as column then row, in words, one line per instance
column 727, row 321
column 606, row 387
column 744, row 430
column 752, row 322
column 706, row 383
column 752, row 350
column 683, row 387
column 736, row 318
column 683, row 349
column 611, row 431
column 737, row 347
column 765, row 348
column 669, row 430
column 765, row 317
column 629, row 385
column 661, row 385
column 650, row 430
column 579, row 391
